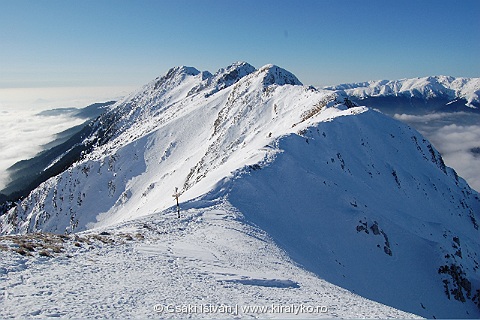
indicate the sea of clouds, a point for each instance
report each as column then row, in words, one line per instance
column 24, row 129
column 456, row 136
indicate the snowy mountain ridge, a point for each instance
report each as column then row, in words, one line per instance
column 155, row 110
column 425, row 87
column 350, row 194
column 179, row 83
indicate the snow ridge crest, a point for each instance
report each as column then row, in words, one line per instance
column 223, row 78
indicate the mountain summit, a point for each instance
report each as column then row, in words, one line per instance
column 359, row 199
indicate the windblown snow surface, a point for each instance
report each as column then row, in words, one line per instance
column 286, row 194
column 209, row 263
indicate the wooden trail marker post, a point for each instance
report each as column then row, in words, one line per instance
column 176, row 195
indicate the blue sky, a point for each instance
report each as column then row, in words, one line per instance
column 53, row 43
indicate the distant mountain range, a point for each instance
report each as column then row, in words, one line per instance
column 352, row 195
column 417, row 95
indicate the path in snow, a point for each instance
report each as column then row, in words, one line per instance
column 208, row 257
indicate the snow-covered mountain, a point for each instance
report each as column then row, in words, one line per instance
column 359, row 199
column 448, row 90
column 435, row 106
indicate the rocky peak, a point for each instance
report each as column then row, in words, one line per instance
column 279, row 76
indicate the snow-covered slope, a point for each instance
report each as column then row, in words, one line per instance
column 355, row 197
column 208, row 264
column 390, row 223
column 425, row 88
